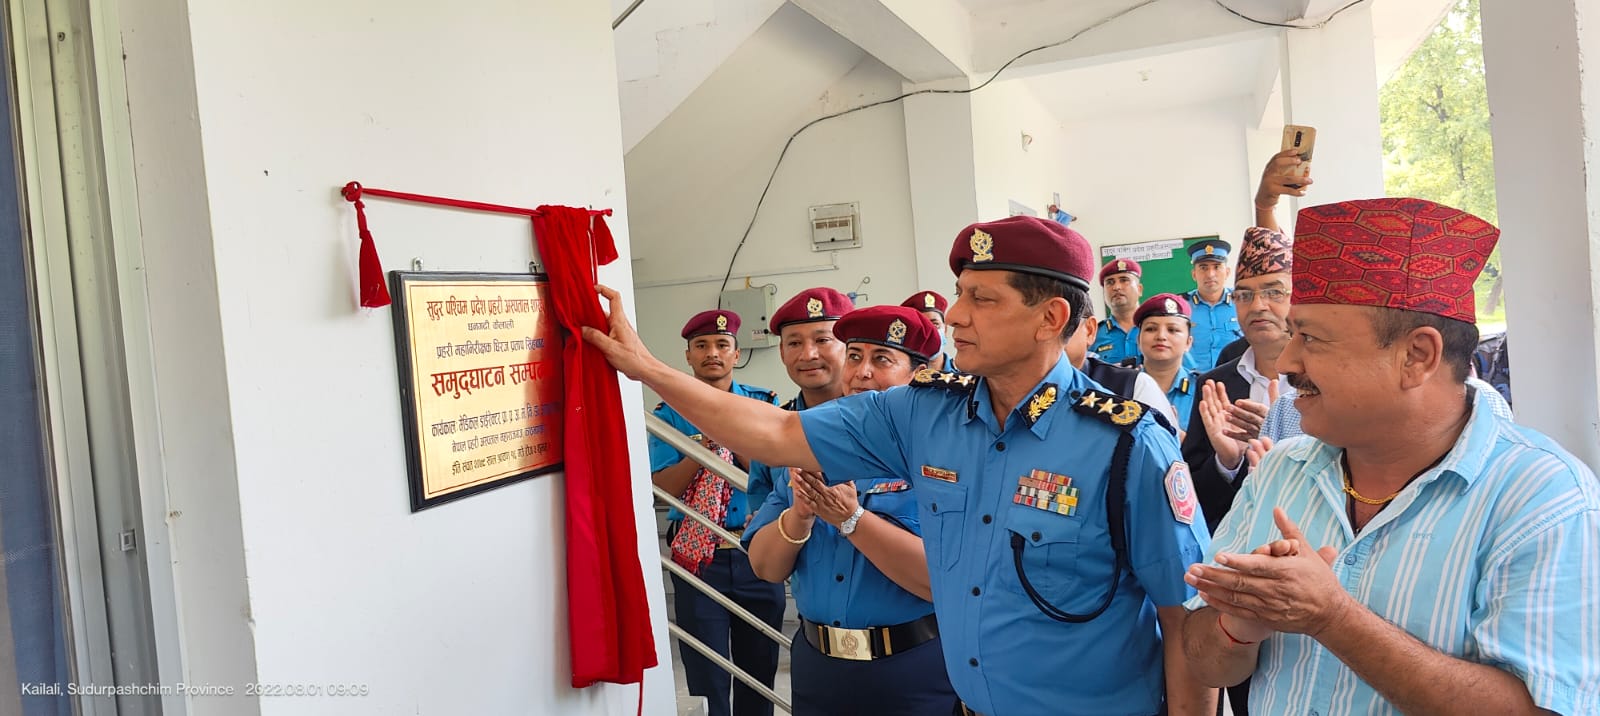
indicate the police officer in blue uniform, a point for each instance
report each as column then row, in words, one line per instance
column 712, row 353
column 868, row 641
column 1216, row 319
column 1165, row 339
column 1058, row 520
column 932, row 304
column 814, row 359
column 1117, row 341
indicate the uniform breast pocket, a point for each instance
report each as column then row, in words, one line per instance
column 1049, row 551
column 945, row 521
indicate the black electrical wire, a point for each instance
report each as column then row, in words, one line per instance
column 1318, row 25
column 778, row 164
column 774, row 175
column 625, row 13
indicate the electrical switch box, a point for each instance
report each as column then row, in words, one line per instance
column 754, row 306
column 836, row 226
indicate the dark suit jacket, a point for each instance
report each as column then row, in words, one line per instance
column 1214, row 490
column 1232, row 351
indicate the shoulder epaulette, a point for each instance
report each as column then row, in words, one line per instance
column 1115, row 410
column 765, row 395
column 789, row 406
column 955, row 382
column 661, row 405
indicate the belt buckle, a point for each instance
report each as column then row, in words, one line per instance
column 852, row 644
column 725, row 544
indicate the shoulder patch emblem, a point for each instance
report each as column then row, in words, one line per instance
column 1180, row 493
column 1112, row 409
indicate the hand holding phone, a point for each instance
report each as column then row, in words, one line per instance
column 1302, row 140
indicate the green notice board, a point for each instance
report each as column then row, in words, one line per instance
column 1165, row 264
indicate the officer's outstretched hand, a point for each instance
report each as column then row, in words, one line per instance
column 622, row 346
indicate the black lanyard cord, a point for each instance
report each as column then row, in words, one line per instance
column 1116, row 499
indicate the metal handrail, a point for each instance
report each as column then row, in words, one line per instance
column 727, row 603
column 732, row 668
column 692, row 449
column 705, row 521
column 664, row 432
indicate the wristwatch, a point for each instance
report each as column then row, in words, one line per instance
column 848, row 526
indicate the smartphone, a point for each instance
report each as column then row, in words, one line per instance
column 1303, row 139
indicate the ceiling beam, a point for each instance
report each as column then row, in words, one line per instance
column 1138, row 29
column 923, row 40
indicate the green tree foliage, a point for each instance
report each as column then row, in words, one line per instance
column 1435, row 118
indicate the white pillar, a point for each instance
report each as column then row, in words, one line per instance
column 944, row 194
column 1543, row 94
column 1330, row 82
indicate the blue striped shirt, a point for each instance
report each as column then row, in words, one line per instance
column 1492, row 556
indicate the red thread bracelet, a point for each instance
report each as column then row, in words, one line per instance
column 1230, row 636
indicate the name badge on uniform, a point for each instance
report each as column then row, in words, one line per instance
column 1180, row 493
column 890, row 486
column 938, row 473
column 1047, row 491
column 1102, row 348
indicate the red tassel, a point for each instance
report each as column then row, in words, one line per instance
column 374, row 291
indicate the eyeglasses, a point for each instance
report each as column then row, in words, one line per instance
column 1247, row 296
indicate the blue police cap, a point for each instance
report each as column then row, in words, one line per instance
column 1209, row 250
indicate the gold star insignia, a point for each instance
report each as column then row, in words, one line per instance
column 1108, row 406
column 1088, row 400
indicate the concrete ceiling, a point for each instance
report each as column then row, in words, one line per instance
column 1156, row 82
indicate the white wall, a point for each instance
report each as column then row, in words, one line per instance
column 686, row 223
column 1160, row 175
column 460, row 609
column 666, row 49
column 1005, row 170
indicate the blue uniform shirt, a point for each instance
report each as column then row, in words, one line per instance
column 865, row 597
column 762, row 478
column 663, row 456
column 1003, row 654
column 1113, row 344
column 1213, row 328
column 1185, row 389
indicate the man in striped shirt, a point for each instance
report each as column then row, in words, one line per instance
column 1414, row 552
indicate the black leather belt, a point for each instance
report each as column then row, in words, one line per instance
column 870, row 643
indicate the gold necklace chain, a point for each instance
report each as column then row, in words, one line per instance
column 1350, row 490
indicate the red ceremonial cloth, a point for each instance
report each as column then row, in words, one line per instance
column 608, row 619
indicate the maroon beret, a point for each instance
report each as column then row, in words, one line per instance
column 1410, row 254
column 1116, row 266
column 927, row 301
column 706, row 323
column 898, row 327
column 1024, row 244
column 1162, row 304
column 813, row 304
